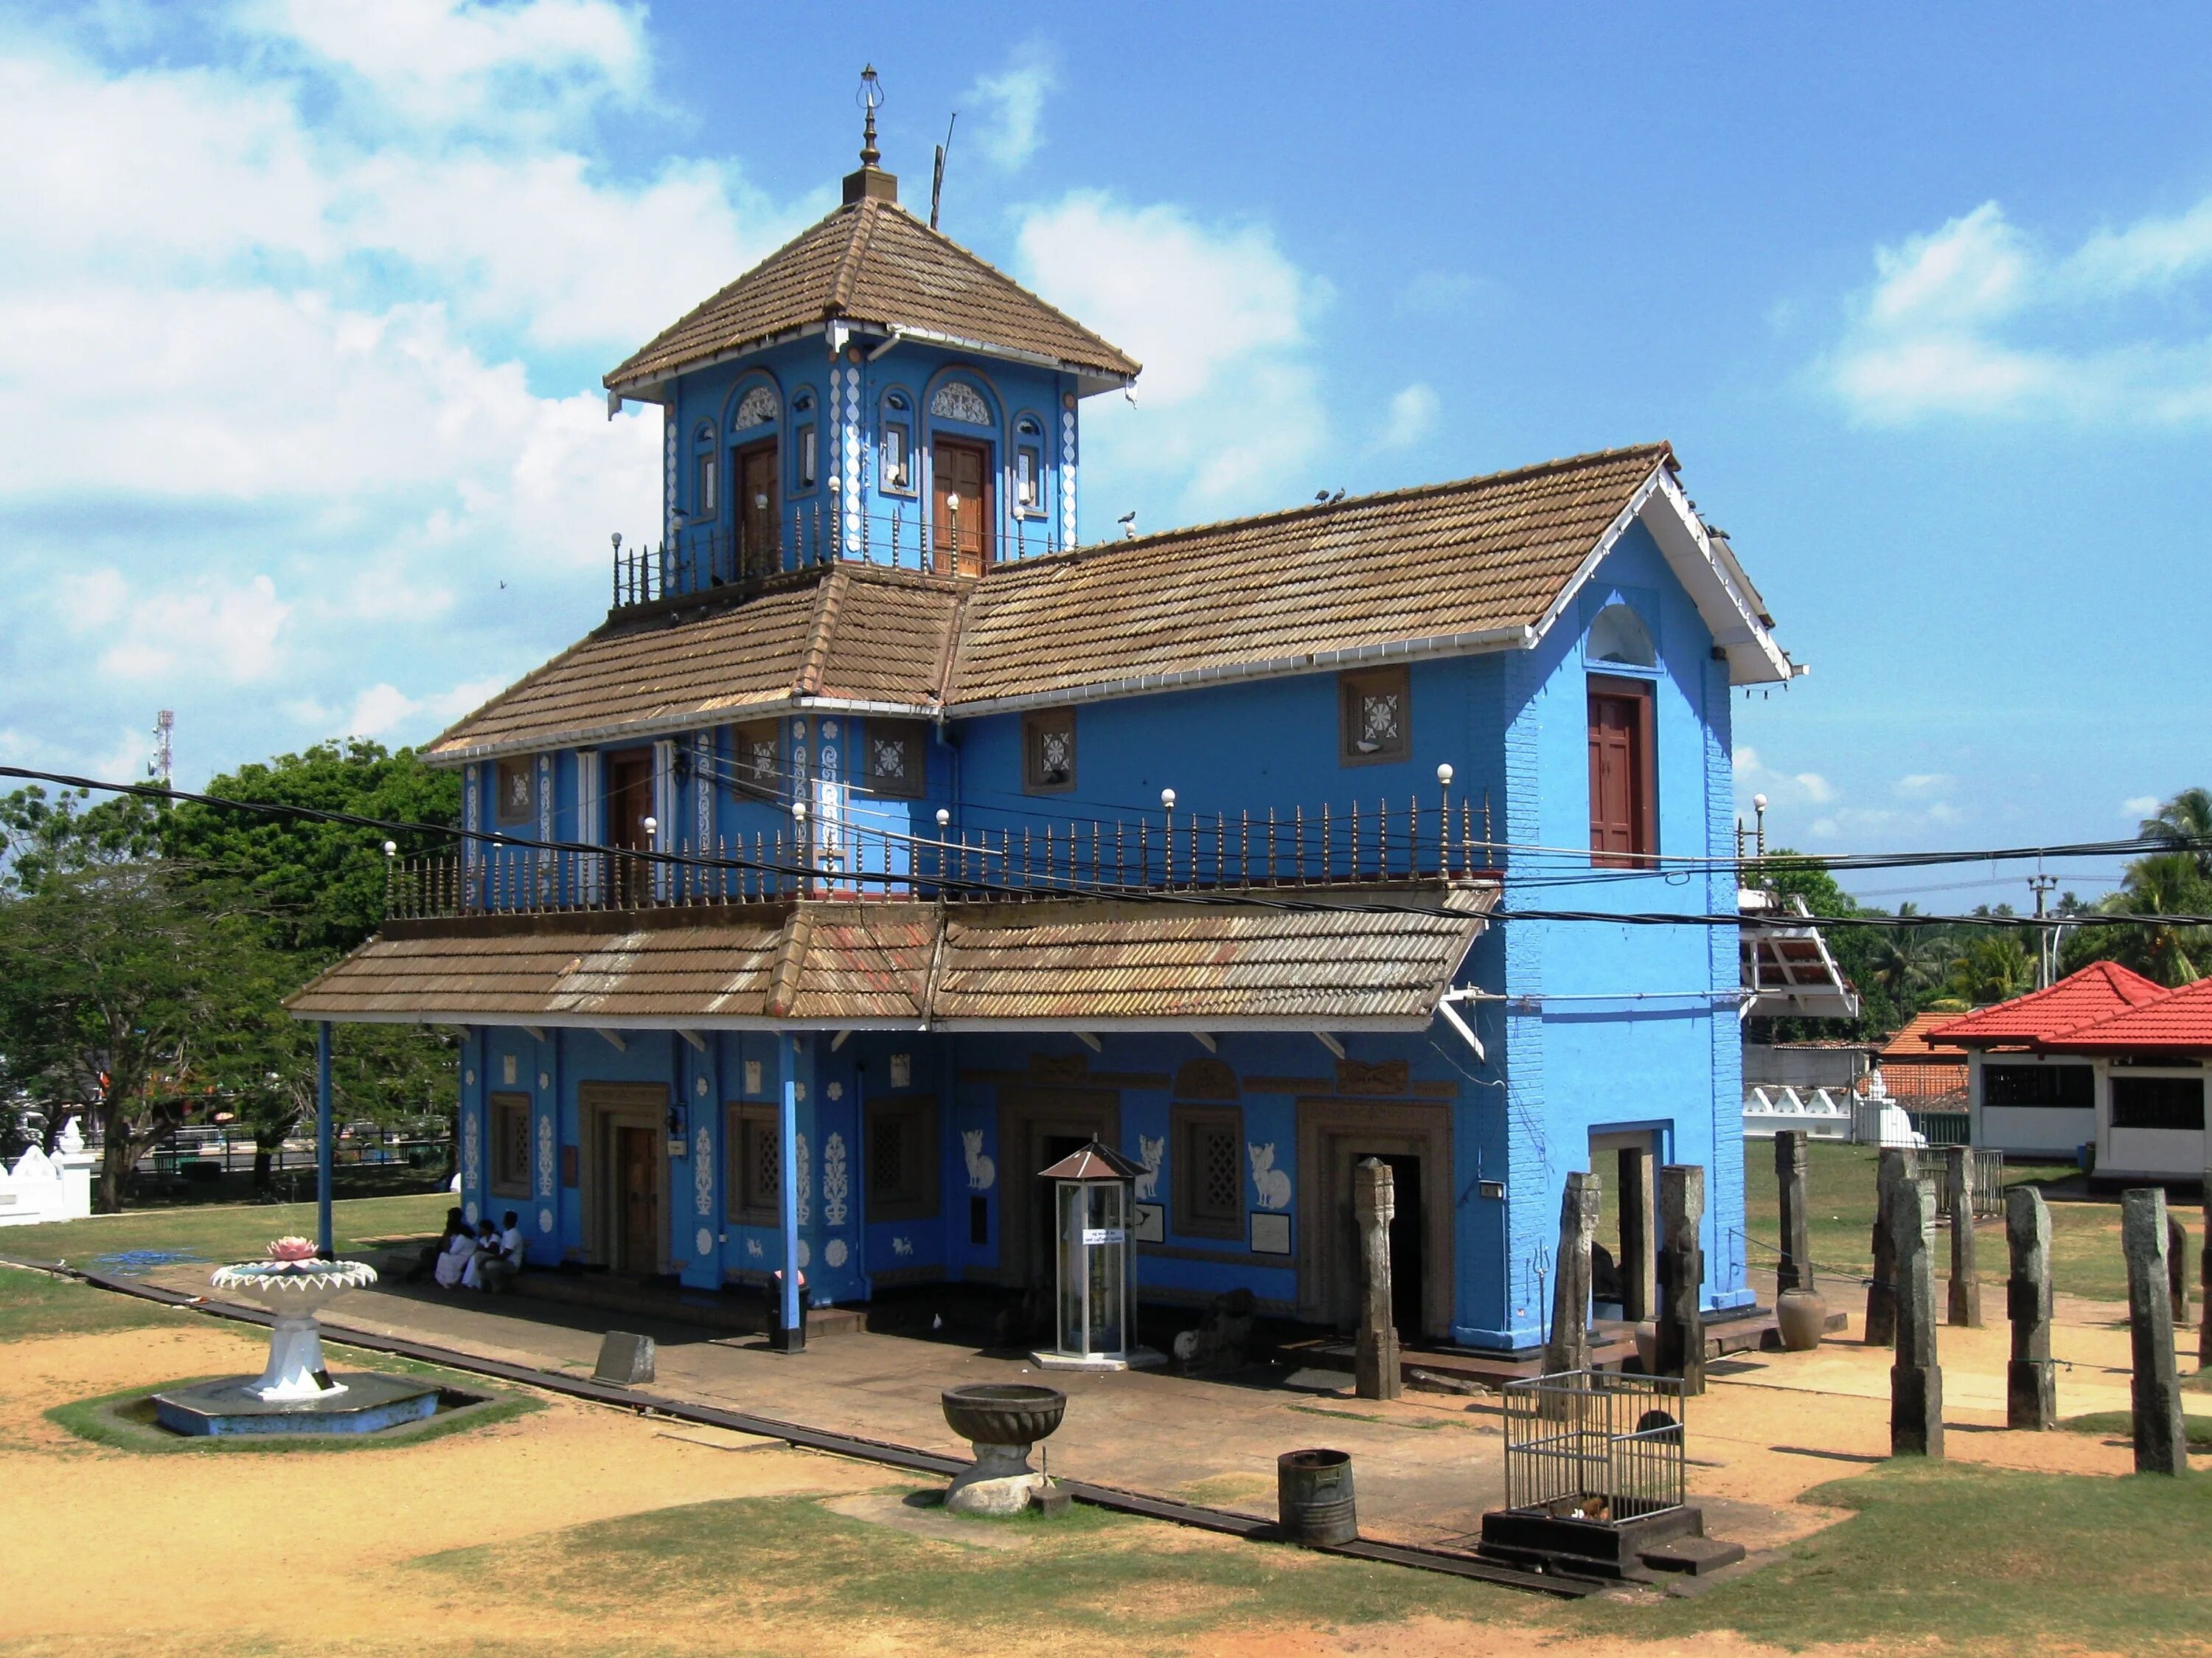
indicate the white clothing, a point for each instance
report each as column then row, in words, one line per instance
column 455, row 1260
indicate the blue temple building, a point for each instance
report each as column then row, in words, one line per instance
column 883, row 843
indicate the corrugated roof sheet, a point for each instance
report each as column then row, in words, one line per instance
column 873, row 262
column 1061, row 964
column 2096, row 992
column 1484, row 556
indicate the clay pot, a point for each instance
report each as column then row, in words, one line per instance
column 1801, row 1317
column 1004, row 1413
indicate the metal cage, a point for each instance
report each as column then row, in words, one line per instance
column 1594, row 1445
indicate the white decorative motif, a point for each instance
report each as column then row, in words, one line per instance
column 901, row 1245
column 1272, row 1184
column 545, row 1221
column 703, row 1243
column 668, row 472
column 956, row 399
column 834, row 1186
column 1150, row 1154
column 471, row 1150
column 546, row 1155
column 1068, row 478
column 830, row 730
column 982, row 1172
column 544, row 1081
column 802, row 1165
column 901, row 1070
column 752, row 1077
column 836, row 1091
column 470, row 1213
column 469, row 1077
column 699, row 1087
column 758, row 407
column 752, row 1249
column 702, row 795
column 855, row 530
column 72, row 1140
column 507, row 1071
column 703, row 1172
column 805, row 1255
column 834, row 1251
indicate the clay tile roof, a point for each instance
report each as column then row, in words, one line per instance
column 1471, row 558
column 873, row 262
column 1092, row 1162
column 2096, row 992
column 2173, row 1021
column 1912, row 1042
column 1063, row 964
column 850, row 631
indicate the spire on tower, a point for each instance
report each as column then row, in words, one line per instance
column 869, row 182
column 872, row 95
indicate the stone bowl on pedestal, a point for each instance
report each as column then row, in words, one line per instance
column 1001, row 1421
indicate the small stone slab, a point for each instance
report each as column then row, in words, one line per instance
column 1696, row 1556
column 624, row 1359
column 922, row 1514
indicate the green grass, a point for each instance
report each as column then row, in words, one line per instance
column 31, row 1304
column 1141, row 1585
column 1941, row 1556
column 224, row 1231
column 125, row 1421
column 2121, row 1424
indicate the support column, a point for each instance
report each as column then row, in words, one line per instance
column 1636, row 1262
column 2159, row 1429
column 1795, row 1271
column 1569, row 1347
column 790, row 1334
column 1966, row 1295
column 1682, row 1275
column 1374, row 1201
column 2177, row 1269
column 325, row 1135
column 1916, row 1379
column 1881, row 1288
column 2031, row 1391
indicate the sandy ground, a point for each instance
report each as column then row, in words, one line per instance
column 89, row 1537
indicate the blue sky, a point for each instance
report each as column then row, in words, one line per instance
column 306, row 306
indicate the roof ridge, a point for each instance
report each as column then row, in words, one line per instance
column 820, row 629
column 856, row 255
column 1409, row 492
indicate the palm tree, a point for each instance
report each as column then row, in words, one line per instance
column 2164, row 884
column 1907, row 960
column 2186, row 821
column 1994, row 969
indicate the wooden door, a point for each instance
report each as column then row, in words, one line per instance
column 637, row 1199
column 629, row 803
column 961, row 520
column 1619, row 779
column 760, row 512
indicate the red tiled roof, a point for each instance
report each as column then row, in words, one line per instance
column 2174, row 1022
column 1912, row 1043
column 1920, row 1080
column 2097, row 992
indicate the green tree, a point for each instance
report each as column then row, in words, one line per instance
column 2186, row 822
column 1994, row 967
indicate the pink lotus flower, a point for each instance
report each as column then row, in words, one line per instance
column 291, row 1249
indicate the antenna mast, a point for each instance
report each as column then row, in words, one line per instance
column 161, row 767
column 936, row 178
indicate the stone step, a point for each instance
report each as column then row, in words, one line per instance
column 1694, row 1556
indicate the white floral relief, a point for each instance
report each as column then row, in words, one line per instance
column 804, row 1168
column 472, row 1150
column 546, row 1155
column 834, row 1184
column 956, row 399
column 703, row 1173
column 835, row 1252
column 703, row 1243
column 758, row 408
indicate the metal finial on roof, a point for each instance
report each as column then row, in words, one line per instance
column 871, row 98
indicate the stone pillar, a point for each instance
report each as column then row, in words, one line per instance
column 1569, row 1347
column 2031, row 1390
column 1682, row 1275
column 1795, row 1271
column 1965, row 1298
column 1915, row 1379
column 2204, row 1283
column 1374, row 1201
column 1896, row 1165
column 2177, row 1269
column 1636, row 1261
column 2158, row 1428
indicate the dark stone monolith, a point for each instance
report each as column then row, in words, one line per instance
column 1681, row 1275
column 1374, row 1201
column 2177, row 1269
column 1636, row 1200
column 2159, row 1429
column 2031, row 1387
column 1897, row 1165
column 2204, row 1285
column 1795, row 1271
column 1965, row 1297
column 1915, row 1379
column 1569, row 1347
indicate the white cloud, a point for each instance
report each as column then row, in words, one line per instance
column 205, row 626
column 1412, row 416
column 1230, row 412
column 1010, row 107
column 1925, row 783
column 1976, row 319
column 2142, row 807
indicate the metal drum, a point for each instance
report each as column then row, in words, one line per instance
column 1313, row 1498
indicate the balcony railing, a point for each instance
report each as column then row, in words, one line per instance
column 825, row 858
column 703, row 557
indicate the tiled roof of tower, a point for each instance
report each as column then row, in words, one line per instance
column 1477, row 556
column 1467, row 565
column 871, row 261
column 1085, row 964
column 2097, row 992
column 869, row 635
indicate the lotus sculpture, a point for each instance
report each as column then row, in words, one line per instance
column 294, row 1283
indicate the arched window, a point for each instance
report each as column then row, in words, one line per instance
column 897, row 443
column 1619, row 636
column 805, row 450
column 706, row 496
column 1028, row 465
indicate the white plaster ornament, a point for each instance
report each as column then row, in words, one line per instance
column 1272, row 1184
column 1150, row 1153
column 295, row 1285
column 834, row 1251
column 836, row 1187
column 983, row 1171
